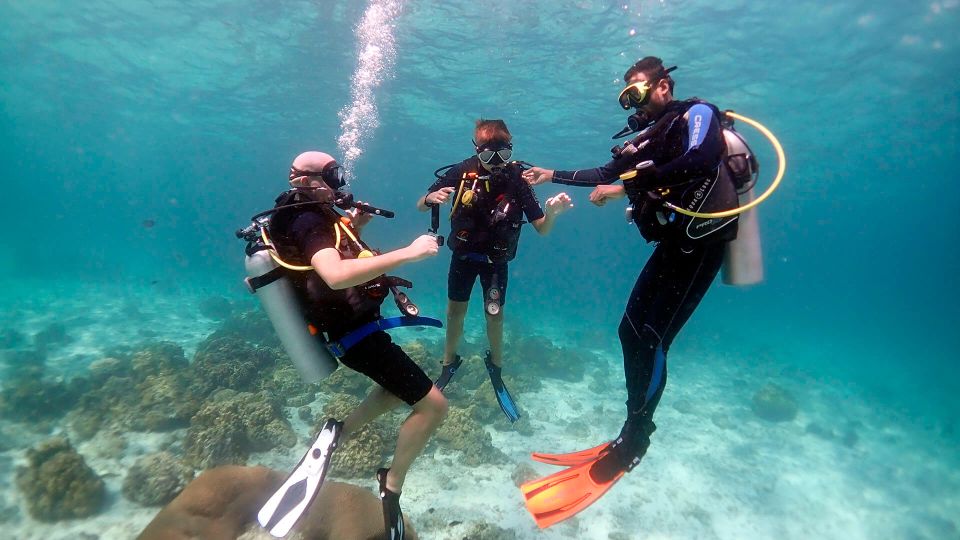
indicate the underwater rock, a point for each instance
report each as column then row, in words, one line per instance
column 774, row 404
column 228, row 362
column 216, row 308
column 57, row 484
column 233, row 424
column 367, row 449
column 461, row 432
column 683, row 406
column 53, row 336
column 222, row 504
column 156, row 479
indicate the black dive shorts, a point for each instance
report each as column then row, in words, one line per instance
column 379, row 358
column 463, row 274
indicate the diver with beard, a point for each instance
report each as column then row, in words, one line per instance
column 676, row 157
column 489, row 201
column 339, row 284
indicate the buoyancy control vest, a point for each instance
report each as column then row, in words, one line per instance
column 711, row 192
column 486, row 215
column 329, row 310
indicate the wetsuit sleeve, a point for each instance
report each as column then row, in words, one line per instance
column 451, row 178
column 605, row 174
column 310, row 233
column 703, row 149
column 528, row 201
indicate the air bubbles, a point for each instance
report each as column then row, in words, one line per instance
column 375, row 59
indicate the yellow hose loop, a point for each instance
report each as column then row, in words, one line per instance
column 276, row 258
column 781, row 156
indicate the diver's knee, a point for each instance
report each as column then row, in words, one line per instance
column 434, row 405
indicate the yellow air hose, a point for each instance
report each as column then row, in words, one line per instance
column 781, row 156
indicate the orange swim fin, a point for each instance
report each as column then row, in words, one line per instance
column 572, row 458
column 554, row 498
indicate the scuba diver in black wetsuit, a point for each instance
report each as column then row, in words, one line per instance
column 676, row 157
column 489, row 201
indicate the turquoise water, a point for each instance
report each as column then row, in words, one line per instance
column 136, row 136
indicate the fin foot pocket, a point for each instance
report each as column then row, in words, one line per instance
column 392, row 515
column 447, row 372
column 504, row 399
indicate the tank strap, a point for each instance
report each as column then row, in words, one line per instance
column 255, row 283
column 340, row 348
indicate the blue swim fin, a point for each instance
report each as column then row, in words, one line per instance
column 504, row 398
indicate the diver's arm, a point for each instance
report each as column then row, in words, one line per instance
column 555, row 206
column 342, row 273
column 704, row 148
column 606, row 174
column 434, row 198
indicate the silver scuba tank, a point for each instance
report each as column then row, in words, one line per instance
column 279, row 300
column 743, row 257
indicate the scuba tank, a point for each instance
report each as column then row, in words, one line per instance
column 268, row 281
column 743, row 257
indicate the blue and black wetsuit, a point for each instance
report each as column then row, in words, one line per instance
column 686, row 148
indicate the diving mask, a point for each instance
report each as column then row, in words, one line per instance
column 331, row 175
column 497, row 155
column 635, row 95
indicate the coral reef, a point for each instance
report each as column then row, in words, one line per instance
column 774, row 404
column 228, row 362
column 231, row 425
column 57, row 483
column 222, row 503
column 156, row 479
column 461, row 432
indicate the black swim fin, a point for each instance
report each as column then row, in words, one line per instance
column 392, row 515
column 447, row 372
column 507, row 405
column 282, row 511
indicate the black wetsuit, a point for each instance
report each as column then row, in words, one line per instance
column 686, row 152
column 473, row 257
column 305, row 231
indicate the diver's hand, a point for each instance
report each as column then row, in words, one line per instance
column 358, row 218
column 537, row 175
column 423, row 247
column 601, row 194
column 439, row 196
column 558, row 204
